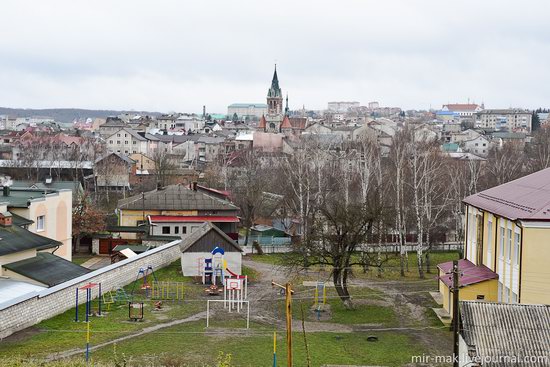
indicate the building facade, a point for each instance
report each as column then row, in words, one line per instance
column 505, row 119
column 247, row 110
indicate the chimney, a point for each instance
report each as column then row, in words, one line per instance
column 194, row 185
column 6, row 190
column 5, row 219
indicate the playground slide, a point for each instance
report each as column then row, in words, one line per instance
column 233, row 274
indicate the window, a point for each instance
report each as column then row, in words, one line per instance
column 125, row 135
column 516, row 248
column 126, row 142
column 514, row 298
column 176, row 230
column 118, row 135
column 489, row 236
column 134, row 142
column 184, row 230
column 166, row 230
column 501, row 249
column 118, row 141
column 40, row 223
column 110, row 142
column 509, row 247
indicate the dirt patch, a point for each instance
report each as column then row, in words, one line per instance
column 22, row 335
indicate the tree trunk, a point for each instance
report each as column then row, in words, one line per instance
column 340, row 284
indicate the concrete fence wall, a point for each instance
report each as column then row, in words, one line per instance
column 34, row 307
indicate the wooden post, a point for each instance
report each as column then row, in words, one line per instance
column 456, row 331
column 288, row 292
column 288, row 306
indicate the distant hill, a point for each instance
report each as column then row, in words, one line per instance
column 66, row 115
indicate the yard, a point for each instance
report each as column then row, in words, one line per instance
column 176, row 335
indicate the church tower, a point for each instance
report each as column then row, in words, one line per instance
column 272, row 122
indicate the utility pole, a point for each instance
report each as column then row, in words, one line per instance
column 456, row 331
column 288, row 306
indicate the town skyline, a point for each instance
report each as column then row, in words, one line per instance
column 399, row 54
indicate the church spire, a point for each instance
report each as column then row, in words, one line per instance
column 275, row 90
column 286, row 107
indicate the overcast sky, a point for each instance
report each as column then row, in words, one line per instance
column 179, row 55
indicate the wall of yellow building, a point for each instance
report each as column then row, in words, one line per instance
column 535, row 268
column 132, row 217
column 488, row 289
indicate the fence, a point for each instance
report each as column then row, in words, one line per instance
column 31, row 308
column 270, row 245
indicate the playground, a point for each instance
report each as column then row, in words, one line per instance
column 175, row 331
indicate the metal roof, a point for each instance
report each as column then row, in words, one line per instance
column 15, row 239
column 527, row 198
column 470, row 273
column 188, row 241
column 175, row 197
column 47, row 269
column 493, row 331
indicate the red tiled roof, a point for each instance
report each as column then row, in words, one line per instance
column 461, row 107
column 262, row 123
column 298, row 122
column 286, row 123
column 470, row 273
column 192, row 218
column 526, row 198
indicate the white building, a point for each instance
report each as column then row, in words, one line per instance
column 127, row 141
column 478, row 145
column 342, row 106
column 247, row 110
column 505, row 119
column 463, row 109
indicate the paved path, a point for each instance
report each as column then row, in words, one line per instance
column 97, row 262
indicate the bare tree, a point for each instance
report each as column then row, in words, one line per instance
column 164, row 166
column 505, row 163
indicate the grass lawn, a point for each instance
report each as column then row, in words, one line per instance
column 390, row 268
column 62, row 332
column 190, row 345
column 81, row 259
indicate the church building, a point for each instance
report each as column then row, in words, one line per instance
column 276, row 120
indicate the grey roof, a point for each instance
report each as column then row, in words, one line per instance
column 176, row 138
column 15, row 239
column 47, row 269
column 20, row 221
column 121, row 156
column 74, row 186
column 20, row 197
column 188, row 241
column 175, row 197
column 495, row 330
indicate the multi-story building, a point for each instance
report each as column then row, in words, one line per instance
column 111, row 125
column 342, row 106
column 505, row 119
column 507, row 231
column 127, row 141
column 247, row 110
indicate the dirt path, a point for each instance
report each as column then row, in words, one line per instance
column 408, row 299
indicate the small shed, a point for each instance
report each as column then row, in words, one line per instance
column 261, row 230
column 198, row 246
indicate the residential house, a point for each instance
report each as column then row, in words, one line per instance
column 112, row 172
column 127, row 141
column 177, row 210
column 463, row 109
column 111, row 126
column 29, row 261
column 479, row 146
column 502, row 335
column 49, row 210
column 507, row 231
